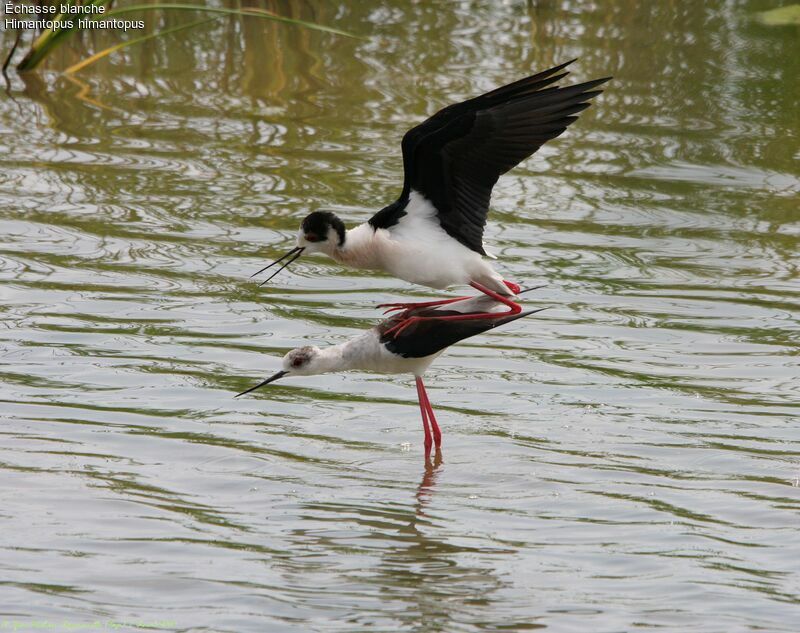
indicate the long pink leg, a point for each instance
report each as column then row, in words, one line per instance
column 437, row 433
column 513, row 308
column 422, row 398
column 423, row 304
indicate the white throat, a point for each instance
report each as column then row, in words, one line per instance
column 361, row 248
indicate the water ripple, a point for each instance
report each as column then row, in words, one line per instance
column 634, row 441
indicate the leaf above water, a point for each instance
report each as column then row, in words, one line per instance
column 781, row 16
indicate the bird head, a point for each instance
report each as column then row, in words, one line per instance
column 320, row 232
column 303, row 361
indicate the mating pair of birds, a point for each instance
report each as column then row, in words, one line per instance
column 432, row 234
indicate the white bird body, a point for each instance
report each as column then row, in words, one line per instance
column 417, row 250
column 372, row 351
column 365, row 353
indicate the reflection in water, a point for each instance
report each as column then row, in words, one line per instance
column 435, row 578
column 637, row 441
column 428, row 482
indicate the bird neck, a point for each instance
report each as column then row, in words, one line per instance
column 359, row 249
column 330, row 359
column 357, row 353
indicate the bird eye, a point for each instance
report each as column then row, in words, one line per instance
column 297, row 362
column 311, row 237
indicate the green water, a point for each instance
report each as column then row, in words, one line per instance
column 627, row 460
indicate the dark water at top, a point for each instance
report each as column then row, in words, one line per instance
column 627, row 460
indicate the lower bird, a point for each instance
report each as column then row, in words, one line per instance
column 432, row 234
column 411, row 350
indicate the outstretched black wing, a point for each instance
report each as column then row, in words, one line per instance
column 456, row 156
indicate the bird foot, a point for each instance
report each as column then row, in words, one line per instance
column 392, row 307
column 512, row 286
column 397, row 329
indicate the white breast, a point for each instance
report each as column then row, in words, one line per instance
column 419, row 250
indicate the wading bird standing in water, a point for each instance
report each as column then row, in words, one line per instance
column 411, row 350
column 432, row 234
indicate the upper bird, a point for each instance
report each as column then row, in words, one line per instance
column 432, row 234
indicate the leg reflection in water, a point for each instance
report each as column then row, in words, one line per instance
column 426, row 486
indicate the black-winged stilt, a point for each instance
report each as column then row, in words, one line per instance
column 411, row 350
column 433, row 234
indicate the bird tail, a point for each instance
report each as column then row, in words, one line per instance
column 532, row 288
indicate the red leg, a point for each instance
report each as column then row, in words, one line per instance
column 422, row 398
column 437, row 433
column 513, row 308
column 424, row 304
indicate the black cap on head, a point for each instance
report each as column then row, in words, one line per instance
column 315, row 226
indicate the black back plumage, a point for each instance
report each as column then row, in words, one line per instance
column 455, row 157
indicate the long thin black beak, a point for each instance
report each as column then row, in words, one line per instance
column 272, row 378
column 296, row 251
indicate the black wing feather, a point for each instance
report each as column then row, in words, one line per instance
column 427, row 337
column 455, row 157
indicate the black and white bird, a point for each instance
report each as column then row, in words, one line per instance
column 410, row 351
column 432, row 234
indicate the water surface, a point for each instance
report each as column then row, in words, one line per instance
column 628, row 459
